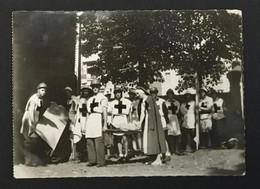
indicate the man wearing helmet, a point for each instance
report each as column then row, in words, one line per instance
column 33, row 144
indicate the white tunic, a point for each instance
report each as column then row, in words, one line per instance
column 81, row 119
column 94, row 122
column 120, row 110
column 159, row 102
column 173, row 109
column 218, row 109
column 27, row 123
column 206, row 103
column 188, row 111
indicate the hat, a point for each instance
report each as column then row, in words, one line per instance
column 131, row 90
column 41, row 85
column 95, row 82
column 85, row 87
column 169, row 91
column 143, row 89
column 203, row 89
column 68, row 89
column 153, row 90
column 118, row 89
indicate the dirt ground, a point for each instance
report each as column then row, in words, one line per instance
column 206, row 162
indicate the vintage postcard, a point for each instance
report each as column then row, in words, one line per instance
column 128, row 93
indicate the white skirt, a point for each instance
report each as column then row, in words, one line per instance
column 189, row 121
column 174, row 125
column 119, row 122
column 94, row 126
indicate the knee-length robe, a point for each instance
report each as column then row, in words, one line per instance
column 153, row 136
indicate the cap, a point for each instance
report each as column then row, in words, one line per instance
column 153, row 90
column 170, row 91
column 118, row 89
column 203, row 89
column 41, row 85
column 85, row 87
column 68, row 89
column 95, row 82
column 131, row 90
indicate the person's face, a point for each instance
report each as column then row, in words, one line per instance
column 68, row 94
column 188, row 97
column 154, row 95
column 118, row 94
column 214, row 96
column 41, row 92
column 95, row 88
column 131, row 95
column 170, row 96
column 85, row 92
column 202, row 94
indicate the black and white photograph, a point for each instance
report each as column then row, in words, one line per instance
column 128, row 93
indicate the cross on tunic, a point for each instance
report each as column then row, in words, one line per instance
column 93, row 105
column 120, row 106
column 203, row 105
column 83, row 110
column 187, row 106
column 39, row 107
column 216, row 108
column 173, row 108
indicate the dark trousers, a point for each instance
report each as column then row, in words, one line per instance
column 188, row 135
column 96, row 150
column 174, row 143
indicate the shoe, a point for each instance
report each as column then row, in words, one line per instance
column 102, row 165
column 91, row 164
column 168, row 158
column 179, row 153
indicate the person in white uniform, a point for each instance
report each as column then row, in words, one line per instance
column 135, row 138
column 205, row 111
column 172, row 106
column 34, row 146
column 96, row 123
column 120, row 111
column 78, row 126
column 188, row 112
column 218, row 121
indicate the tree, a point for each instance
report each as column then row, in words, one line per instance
column 136, row 46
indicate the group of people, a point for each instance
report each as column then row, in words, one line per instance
column 142, row 124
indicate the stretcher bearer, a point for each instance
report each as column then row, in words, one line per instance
column 120, row 112
column 78, row 126
column 136, row 138
column 205, row 112
column 218, row 121
column 174, row 131
column 34, row 146
column 161, row 106
column 188, row 112
column 96, row 123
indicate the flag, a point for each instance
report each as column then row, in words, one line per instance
column 51, row 126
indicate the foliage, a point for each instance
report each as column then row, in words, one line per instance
column 136, row 46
